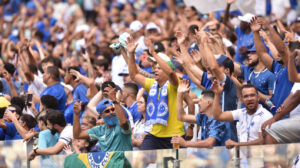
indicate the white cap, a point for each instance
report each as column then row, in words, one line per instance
column 161, row 55
column 246, row 18
column 67, row 86
column 125, row 71
column 152, row 25
column 135, row 26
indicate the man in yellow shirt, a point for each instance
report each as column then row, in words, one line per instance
column 161, row 106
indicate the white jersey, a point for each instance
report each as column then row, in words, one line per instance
column 295, row 113
column 250, row 125
column 66, row 136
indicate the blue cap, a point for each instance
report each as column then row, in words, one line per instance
column 103, row 104
column 252, row 49
column 221, row 59
column 297, row 20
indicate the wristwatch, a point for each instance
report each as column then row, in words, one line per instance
column 115, row 102
column 34, row 149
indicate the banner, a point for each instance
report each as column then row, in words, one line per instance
column 97, row 160
column 206, row 6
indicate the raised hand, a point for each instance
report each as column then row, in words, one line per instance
column 179, row 58
column 230, row 1
column 262, row 22
column 196, row 55
column 180, row 37
column 148, row 43
column 184, row 86
column 76, row 73
column 216, row 87
column 111, row 92
column 77, row 107
column 263, row 34
column 254, row 25
column 130, row 45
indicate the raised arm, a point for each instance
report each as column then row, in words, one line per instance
column 294, row 76
column 77, row 132
column 94, row 101
column 216, row 109
column 271, row 46
column 163, row 64
column 226, row 15
column 111, row 92
column 183, row 89
column 276, row 40
column 187, row 62
column 212, row 63
column 133, row 71
column 22, row 131
column 260, row 48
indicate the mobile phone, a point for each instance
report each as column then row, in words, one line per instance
column 83, row 50
column 294, row 45
column 2, row 111
column 29, row 99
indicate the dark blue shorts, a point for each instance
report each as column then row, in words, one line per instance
column 152, row 142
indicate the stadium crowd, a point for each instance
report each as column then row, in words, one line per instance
column 97, row 75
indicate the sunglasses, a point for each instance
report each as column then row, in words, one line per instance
column 12, row 110
column 109, row 110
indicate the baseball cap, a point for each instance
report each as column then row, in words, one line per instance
column 135, row 26
column 246, row 18
column 221, row 59
column 103, row 104
column 297, row 20
column 4, row 102
column 164, row 57
column 153, row 26
column 252, row 49
column 124, row 71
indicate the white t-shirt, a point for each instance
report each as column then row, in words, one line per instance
column 117, row 65
column 279, row 6
column 130, row 118
column 250, row 125
column 66, row 135
column 141, row 45
column 37, row 85
column 296, row 112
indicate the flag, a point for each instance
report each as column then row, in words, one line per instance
column 97, row 160
column 206, row 6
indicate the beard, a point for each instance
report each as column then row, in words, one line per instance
column 53, row 131
column 253, row 64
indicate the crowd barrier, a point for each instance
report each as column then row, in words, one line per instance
column 15, row 153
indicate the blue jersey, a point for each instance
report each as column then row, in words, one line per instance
column 263, row 81
column 243, row 40
column 59, row 93
column 79, row 93
column 213, row 128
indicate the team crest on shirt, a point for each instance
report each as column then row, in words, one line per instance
column 153, row 89
column 150, row 109
column 163, row 109
column 98, row 159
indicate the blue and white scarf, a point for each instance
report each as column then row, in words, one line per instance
column 157, row 111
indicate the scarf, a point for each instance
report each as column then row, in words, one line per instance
column 157, row 111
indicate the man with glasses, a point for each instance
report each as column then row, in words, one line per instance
column 7, row 125
column 115, row 134
column 250, row 118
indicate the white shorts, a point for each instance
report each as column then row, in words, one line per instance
column 286, row 130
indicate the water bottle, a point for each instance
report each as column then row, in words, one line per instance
column 271, row 106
